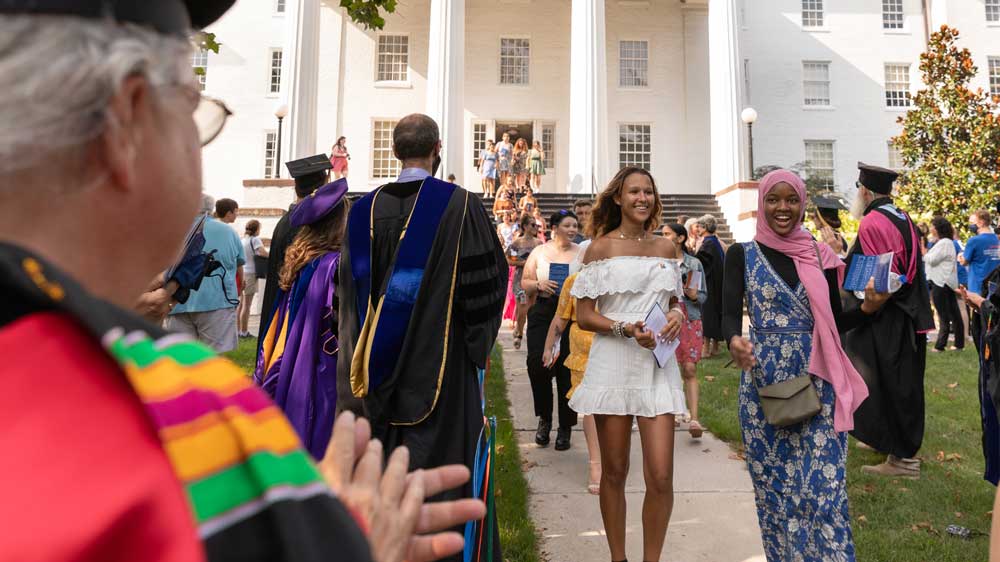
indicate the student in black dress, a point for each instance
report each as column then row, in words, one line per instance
column 547, row 267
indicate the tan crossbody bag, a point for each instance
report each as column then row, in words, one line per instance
column 794, row 400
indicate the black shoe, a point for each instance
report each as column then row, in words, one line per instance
column 542, row 435
column 562, row 438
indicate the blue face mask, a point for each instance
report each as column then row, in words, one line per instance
column 974, row 228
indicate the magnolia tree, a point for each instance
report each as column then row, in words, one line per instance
column 950, row 142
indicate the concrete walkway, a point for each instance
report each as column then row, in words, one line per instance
column 714, row 518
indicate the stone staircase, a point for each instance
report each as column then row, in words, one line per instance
column 266, row 200
column 692, row 205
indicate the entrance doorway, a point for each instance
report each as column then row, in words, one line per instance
column 516, row 130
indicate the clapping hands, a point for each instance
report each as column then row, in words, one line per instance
column 402, row 526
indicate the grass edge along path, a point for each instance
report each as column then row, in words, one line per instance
column 895, row 519
column 517, row 532
column 518, row 538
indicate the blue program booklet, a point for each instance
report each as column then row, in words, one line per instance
column 558, row 272
column 864, row 268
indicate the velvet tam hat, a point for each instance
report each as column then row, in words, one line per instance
column 169, row 17
column 876, row 178
column 320, row 204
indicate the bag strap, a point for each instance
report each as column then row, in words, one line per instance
column 818, row 258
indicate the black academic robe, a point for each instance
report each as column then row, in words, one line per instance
column 281, row 238
column 986, row 334
column 398, row 410
column 890, row 353
column 713, row 260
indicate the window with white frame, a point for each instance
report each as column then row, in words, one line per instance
column 478, row 141
column 270, row 154
column 635, row 147
column 199, row 61
column 819, row 158
column 279, row 6
column 892, row 14
column 515, row 56
column 549, row 144
column 384, row 162
column 816, row 83
column 993, row 11
column 393, row 58
column 633, row 67
column 812, row 13
column 274, row 80
column 895, row 157
column 994, row 67
column 897, row 85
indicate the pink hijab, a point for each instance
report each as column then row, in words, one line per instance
column 828, row 360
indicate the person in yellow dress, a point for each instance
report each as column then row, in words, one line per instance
column 576, row 362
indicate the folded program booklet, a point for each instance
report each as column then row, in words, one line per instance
column 863, row 268
column 656, row 321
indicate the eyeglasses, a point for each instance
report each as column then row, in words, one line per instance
column 210, row 117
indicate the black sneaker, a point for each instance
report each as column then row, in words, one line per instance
column 542, row 434
column 562, row 438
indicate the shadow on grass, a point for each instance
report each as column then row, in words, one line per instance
column 896, row 519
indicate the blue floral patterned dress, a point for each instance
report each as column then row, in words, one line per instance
column 798, row 471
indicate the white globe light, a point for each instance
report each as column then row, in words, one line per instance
column 281, row 111
column 749, row 115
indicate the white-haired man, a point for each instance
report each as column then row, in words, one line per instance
column 129, row 443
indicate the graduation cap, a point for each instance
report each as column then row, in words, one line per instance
column 169, row 17
column 829, row 208
column 309, row 173
column 875, row 178
column 321, row 203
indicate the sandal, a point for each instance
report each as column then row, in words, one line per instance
column 695, row 429
column 594, row 488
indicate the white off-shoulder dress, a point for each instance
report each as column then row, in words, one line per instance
column 622, row 378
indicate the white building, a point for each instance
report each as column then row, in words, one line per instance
column 602, row 83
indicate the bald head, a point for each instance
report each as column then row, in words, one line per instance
column 415, row 136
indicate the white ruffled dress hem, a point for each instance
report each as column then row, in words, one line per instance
column 647, row 403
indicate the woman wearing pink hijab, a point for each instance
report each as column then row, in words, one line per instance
column 791, row 288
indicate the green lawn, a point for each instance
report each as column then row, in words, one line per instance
column 902, row 519
column 517, row 533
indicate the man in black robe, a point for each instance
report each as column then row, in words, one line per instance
column 712, row 257
column 986, row 335
column 309, row 174
column 424, row 392
column 890, row 350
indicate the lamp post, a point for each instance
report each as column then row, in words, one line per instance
column 280, row 112
column 748, row 116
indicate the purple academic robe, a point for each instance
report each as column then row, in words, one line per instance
column 301, row 377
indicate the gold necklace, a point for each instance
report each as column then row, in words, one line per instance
column 640, row 238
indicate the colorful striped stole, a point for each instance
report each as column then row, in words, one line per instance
column 231, row 448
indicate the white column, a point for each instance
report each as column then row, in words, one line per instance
column 300, row 77
column 938, row 15
column 588, row 102
column 729, row 161
column 446, row 82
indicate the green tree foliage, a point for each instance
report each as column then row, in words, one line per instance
column 368, row 13
column 950, row 142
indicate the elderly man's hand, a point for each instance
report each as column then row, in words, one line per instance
column 155, row 305
column 402, row 526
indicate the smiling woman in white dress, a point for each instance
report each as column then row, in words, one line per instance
column 627, row 270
